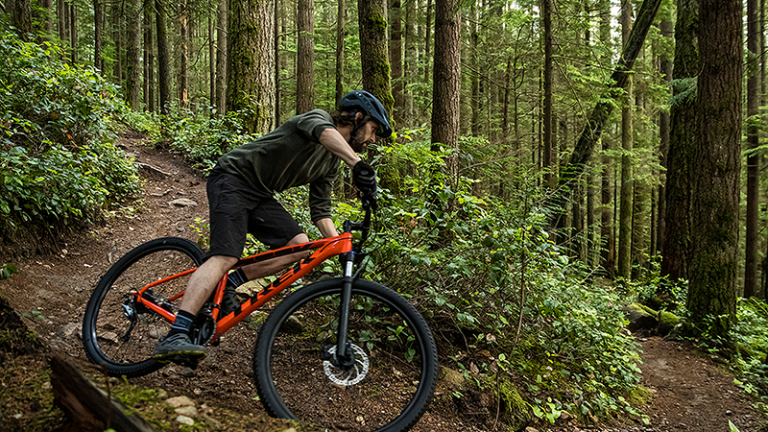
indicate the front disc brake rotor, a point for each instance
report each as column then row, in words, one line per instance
column 350, row 376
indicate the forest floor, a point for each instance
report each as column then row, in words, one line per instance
column 690, row 391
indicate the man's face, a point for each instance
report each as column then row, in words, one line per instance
column 365, row 135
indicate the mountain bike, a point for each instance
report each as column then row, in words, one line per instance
column 343, row 353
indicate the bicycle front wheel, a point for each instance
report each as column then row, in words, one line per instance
column 395, row 360
column 120, row 333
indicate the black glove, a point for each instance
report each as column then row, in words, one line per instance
column 364, row 177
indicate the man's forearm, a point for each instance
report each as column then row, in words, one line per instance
column 331, row 139
column 326, row 227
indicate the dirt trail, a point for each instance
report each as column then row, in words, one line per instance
column 691, row 394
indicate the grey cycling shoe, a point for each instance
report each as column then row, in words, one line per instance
column 178, row 348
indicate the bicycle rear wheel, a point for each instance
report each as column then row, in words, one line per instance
column 121, row 334
column 395, row 369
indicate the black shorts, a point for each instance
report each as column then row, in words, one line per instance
column 236, row 209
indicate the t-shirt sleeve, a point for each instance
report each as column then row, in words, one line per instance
column 314, row 122
column 320, row 196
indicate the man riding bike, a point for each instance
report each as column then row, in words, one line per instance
column 307, row 149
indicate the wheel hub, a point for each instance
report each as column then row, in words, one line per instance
column 347, row 376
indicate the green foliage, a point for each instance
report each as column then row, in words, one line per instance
column 6, row 270
column 198, row 136
column 750, row 335
column 55, row 131
column 472, row 261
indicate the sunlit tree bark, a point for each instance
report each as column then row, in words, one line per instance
column 305, row 57
column 251, row 77
column 717, row 165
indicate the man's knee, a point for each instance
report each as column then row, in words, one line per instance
column 299, row 239
column 220, row 262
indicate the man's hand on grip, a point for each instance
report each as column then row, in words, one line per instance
column 365, row 178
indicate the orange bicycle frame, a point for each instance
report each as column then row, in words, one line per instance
column 326, row 248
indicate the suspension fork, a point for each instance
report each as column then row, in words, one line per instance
column 346, row 298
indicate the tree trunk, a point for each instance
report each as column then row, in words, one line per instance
column 627, row 137
column 145, row 73
column 667, row 32
column 133, row 54
column 717, row 163
column 411, row 59
column 276, row 33
column 591, row 228
column 340, row 17
column 46, row 23
column 447, row 80
column 547, row 125
column 221, row 57
column 97, row 30
column 428, row 41
column 474, row 77
column 149, row 51
column 183, row 77
column 73, row 32
column 753, row 159
column 505, row 103
column 163, row 60
column 61, row 20
column 117, row 34
column 597, row 119
column 211, row 60
column 763, row 96
column 305, row 57
column 675, row 252
column 21, row 18
column 282, row 56
column 251, row 77
column 396, row 57
column 373, row 50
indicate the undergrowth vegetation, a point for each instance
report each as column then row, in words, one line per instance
column 192, row 132
column 473, row 253
column 57, row 160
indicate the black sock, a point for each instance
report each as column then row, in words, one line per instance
column 182, row 323
column 237, row 277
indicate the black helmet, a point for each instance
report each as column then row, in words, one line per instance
column 368, row 103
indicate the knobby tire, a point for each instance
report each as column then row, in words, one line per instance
column 288, row 359
column 105, row 321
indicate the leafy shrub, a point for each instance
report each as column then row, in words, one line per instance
column 750, row 333
column 484, row 269
column 57, row 161
column 195, row 134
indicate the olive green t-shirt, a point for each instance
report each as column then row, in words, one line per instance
column 289, row 156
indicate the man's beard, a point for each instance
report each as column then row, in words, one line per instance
column 355, row 143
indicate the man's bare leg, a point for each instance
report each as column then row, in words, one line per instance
column 204, row 280
column 274, row 265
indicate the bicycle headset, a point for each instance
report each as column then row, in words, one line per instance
column 371, row 105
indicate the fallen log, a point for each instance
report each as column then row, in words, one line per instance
column 88, row 406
